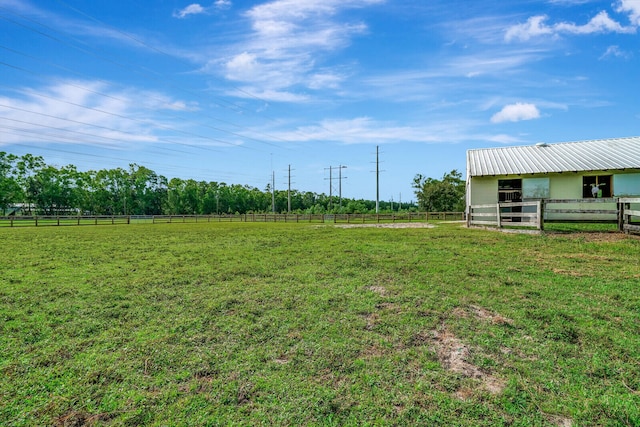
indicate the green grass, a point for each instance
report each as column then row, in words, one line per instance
column 297, row 324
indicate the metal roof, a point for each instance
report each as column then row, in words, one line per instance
column 579, row 156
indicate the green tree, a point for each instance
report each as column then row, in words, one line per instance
column 10, row 191
column 445, row 195
column 148, row 191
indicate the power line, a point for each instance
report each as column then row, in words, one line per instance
column 89, row 124
column 340, row 178
column 164, row 165
column 127, row 66
column 122, row 116
column 162, row 101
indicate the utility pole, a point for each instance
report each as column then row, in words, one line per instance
column 377, row 180
column 340, row 184
column 330, row 187
column 340, row 177
column 273, row 192
column 289, row 192
column 273, row 187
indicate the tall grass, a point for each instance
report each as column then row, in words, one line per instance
column 291, row 324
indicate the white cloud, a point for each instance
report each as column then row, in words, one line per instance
column 198, row 9
column 282, row 50
column 601, row 23
column 632, row 7
column 269, row 95
column 366, row 130
column 242, row 66
column 192, row 9
column 532, row 28
column 516, row 112
column 222, row 4
column 86, row 112
column 536, row 26
column 324, row 80
column 616, row 52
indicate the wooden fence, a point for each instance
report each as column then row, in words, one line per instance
column 533, row 214
column 500, row 215
column 629, row 214
column 62, row 220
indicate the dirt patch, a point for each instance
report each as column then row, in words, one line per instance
column 372, row 320
column 80, row 418
column 389, row 225
column 494, row 318
column 380, row 290
column 559, row 421
column 481, row 314
column 454, row 356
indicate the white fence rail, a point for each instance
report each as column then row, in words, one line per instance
column 521, row 214
column 533, row 214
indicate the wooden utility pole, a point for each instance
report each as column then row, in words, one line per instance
column 377, row 180
column 273, row 192
column 340, row 184
column 289, row 192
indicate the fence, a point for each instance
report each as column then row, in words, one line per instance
column 521, row 214
column 38, row 221
column 533, row 214
column 628, row 218
column 47, row 220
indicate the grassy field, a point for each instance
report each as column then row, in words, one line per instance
column 292, row 324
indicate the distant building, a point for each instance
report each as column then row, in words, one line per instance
column 606, row 169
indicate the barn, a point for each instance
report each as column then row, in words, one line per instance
column 574, row 172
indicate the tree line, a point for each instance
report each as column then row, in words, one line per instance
column 36, row 187
column 441, row 195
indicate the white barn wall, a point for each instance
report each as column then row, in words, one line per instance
column 484, row 190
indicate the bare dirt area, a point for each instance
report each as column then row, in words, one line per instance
column 454, row 355
column 388, row 225
column 481, row 314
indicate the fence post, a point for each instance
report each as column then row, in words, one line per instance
column 620, row 215
column 469, row 216
column 540, row 213
column 498, row 219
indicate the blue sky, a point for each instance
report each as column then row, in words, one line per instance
column 233, row 91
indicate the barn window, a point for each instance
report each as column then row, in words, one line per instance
column 596, row 186
column 510, row 190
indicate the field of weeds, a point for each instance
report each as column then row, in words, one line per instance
column 292, row 324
